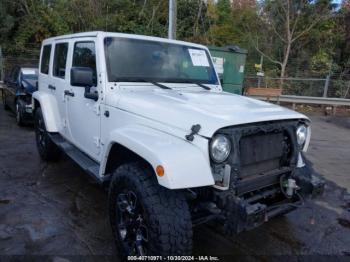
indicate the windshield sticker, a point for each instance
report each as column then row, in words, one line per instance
column 198, row 57
column 241, row 69
column 219, row 64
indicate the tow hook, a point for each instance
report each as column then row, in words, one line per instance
column 289, row 187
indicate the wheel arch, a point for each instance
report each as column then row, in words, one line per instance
column 119, row 155
column 36, row 104
column 49, row 108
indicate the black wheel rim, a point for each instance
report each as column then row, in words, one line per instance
column 40, row 133
column 131, row 225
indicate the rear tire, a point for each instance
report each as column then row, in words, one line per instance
column 140, row 210
column 47, row 149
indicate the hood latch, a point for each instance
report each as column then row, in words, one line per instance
column 194, row 131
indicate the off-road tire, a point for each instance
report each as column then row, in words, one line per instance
column 19, row 115
column 166, row 211
column 47, row 149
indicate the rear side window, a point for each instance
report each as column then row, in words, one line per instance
column 60, row 59
column 84, row 55
column 14, row 74
column 45, row 59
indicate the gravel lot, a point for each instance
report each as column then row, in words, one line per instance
column 56, row 210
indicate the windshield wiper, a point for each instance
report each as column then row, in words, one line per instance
column 196, row 83
column 136, row 79
column 202, row 86
column 160, row 85
column 131, row 79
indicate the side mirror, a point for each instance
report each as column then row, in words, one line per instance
column 83, row 76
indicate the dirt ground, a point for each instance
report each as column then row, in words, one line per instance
column 56, row 210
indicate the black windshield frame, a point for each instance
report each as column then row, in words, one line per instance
column 213, row 79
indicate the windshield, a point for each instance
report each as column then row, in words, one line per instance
column 133, row 60
column 30, row 77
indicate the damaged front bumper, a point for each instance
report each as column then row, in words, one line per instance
column 251, row 210
column 309, row 181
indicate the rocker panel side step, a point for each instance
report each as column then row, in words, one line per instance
column 83, row 160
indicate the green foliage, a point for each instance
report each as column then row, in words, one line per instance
column 24, row 24
column 321, row 62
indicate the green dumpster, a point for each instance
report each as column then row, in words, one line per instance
column 229, row 62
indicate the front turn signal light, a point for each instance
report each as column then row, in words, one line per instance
column 160, row 171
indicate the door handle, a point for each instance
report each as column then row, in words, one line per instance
column 68, row 93
column 52, row 87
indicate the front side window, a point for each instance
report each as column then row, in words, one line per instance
column 134, row 60
column 45, row 59
column 84, row 55
column 60, row 59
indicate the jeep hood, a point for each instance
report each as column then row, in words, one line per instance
column 212, row 110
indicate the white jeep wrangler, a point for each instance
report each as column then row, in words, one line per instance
column 147, row 117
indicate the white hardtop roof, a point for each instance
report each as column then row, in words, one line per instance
column 123, row 35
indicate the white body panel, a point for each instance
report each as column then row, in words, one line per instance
column 185, row 165
column 51, row 115
column 150, row 121
column 192, row 105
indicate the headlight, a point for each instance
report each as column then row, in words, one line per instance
column 220, row 148
column 301, row 135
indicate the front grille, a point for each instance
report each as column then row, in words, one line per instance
column 261, row 148
column 261, row 152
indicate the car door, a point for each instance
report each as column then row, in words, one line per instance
column 44, row 84
column 11, row 88
column 59, row 81
column 83, row 114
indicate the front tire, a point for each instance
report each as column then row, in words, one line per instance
column 47, row 149
column 19, row 115
column 146, row 218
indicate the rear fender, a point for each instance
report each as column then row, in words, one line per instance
column 49, row 110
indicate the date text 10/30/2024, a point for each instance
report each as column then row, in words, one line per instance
column 173, row 258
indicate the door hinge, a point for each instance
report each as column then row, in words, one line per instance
column 64, row 123
column 97, row 109
column 97, row 141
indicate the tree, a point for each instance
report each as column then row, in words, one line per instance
column 298, row 37
column 284, row 23
column 192, row 21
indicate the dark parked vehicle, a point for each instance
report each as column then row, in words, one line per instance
column 17, row 93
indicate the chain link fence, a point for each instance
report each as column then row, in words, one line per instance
column 330, row 86
column 26, row 58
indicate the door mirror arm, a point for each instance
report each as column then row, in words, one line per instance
column 89, row 95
